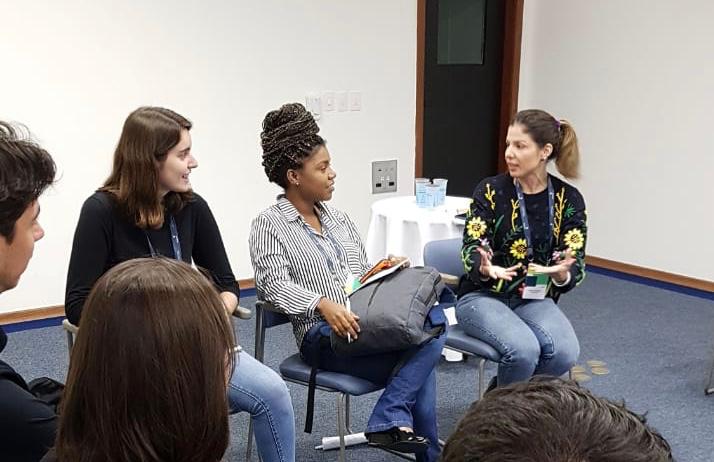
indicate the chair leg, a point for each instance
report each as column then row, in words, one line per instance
column 341, row 425
column 70, row 342
column 481, row 366
column 347, row 415
column 710, row 386
column 259, row 335
column 249, row 445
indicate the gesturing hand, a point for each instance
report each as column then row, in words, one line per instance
column 559, row 270
column 492, row 271
column 342, row 321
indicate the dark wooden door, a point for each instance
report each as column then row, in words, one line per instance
column 462, row 91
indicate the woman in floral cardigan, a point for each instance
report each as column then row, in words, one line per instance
column 524, row 245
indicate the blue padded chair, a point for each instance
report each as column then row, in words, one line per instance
column 294, row 370
column 445, row 256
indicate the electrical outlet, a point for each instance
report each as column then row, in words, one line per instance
column 384, row 176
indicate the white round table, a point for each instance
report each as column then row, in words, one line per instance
column 398, row 227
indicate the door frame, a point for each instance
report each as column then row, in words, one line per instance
column 513, row 31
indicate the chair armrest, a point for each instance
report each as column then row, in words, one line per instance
column 267, row 306
column 69, row 327
column 449, row 279
column 242, row 312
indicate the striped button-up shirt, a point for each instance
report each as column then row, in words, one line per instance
column 295, row 266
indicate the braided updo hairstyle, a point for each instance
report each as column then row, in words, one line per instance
column 289, row 136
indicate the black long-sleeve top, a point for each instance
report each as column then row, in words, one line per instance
column 105, row 238
column 494, row 222
column 27, row 424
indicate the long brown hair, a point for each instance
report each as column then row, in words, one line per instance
column 147, row 377
column 559, row 133
column 148, row 135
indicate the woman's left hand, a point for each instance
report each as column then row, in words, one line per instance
column 558, row 271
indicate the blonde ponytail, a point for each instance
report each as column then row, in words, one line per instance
column 568, row 156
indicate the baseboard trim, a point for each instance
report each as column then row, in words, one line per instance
column 32, row 314
column 247, row 289
column 652, row 274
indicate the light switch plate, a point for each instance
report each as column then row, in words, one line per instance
column 384, row 176
column 341, row 101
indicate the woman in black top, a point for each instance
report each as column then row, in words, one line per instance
column 147, row 208
column 521, row 225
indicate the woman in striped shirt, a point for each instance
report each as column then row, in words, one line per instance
column 303, row 253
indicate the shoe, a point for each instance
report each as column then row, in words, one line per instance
column 398, row 440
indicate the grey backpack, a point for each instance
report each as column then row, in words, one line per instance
column 392, row 312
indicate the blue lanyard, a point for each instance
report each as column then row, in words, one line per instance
column 524, row 216
column 175, row 241
column 341, row 256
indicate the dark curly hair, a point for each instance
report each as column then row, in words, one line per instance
column 26, row 170
column 289, row 136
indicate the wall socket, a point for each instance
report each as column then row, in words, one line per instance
column 384, row 176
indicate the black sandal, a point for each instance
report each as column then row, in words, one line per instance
column 398, row 440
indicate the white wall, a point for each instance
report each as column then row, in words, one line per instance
column 636, row 79
column 73, row 70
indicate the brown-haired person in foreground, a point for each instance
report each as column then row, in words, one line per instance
column 147, row 207
column 552, row 420
column 148, row 375
column 27, row 424
column 523, row 246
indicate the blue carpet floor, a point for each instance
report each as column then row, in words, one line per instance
column 657, row 345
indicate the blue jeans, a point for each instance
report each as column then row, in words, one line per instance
column 260, row 391
column 533, row 336
column 409, row 397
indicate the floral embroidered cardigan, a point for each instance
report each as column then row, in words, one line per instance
column 494, row 222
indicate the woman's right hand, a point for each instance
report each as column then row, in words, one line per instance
column 489, row 270
column 342, row 321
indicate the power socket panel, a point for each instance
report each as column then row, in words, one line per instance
column 384, row 176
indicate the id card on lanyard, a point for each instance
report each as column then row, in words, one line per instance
column 536, row 284
column 350, row 280
column 175, row 241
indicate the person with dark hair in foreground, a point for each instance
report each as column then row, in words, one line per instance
column 304, row 252
column 149, row 372
column 27, row 425
column 147, row 207
column 552, row 420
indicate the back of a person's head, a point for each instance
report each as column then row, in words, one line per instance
column 552, row 420
column 148, row 373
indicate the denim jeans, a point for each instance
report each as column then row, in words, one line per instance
column 258, row 390
column 533, row 336
column 409, row 397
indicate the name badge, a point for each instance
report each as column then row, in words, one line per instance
column 536, row 286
